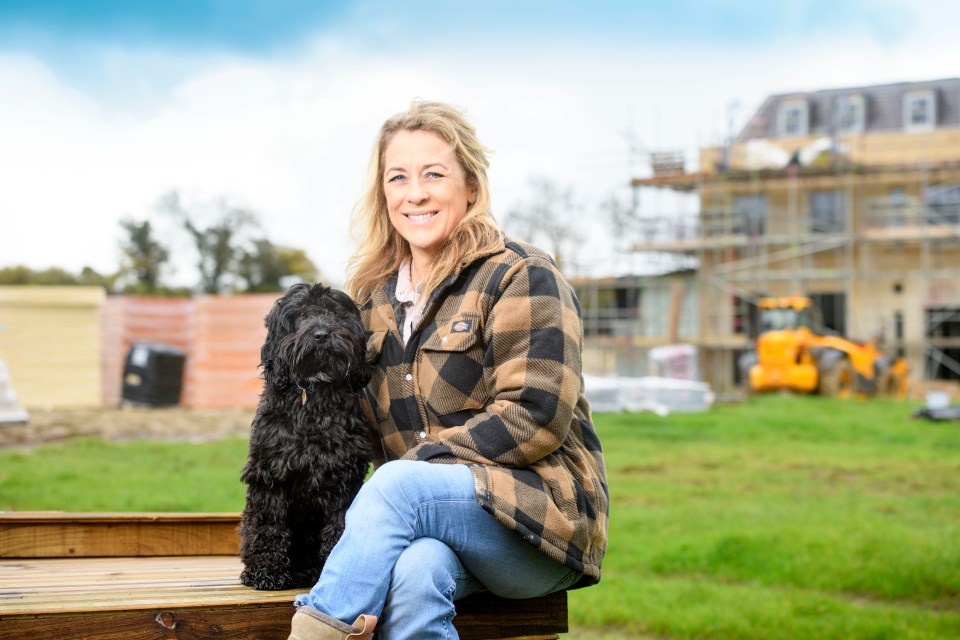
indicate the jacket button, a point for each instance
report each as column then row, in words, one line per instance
column 409, row 376
column 422, row 434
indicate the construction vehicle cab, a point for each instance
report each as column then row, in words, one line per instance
column 795, row 352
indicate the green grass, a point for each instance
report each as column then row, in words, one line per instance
column 95, row 475
column 784, row 517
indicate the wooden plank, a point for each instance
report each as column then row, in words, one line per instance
column 51, row 535
column 88, row 585
column 483, row 615
column 123, row 598
column 58, row 517
column 103, row 585
column 480, row 617
column 260, row 622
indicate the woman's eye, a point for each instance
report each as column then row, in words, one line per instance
column 433, row 175
column 396, row 178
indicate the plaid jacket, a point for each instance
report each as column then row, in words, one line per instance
column 491, row 378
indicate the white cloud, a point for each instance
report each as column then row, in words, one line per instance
column 290, row 138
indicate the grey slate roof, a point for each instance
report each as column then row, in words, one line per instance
column 884, row 107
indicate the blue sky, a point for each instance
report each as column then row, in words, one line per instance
column 104, row 106
column 267, row 27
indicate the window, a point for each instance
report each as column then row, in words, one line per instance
column 919, row 110
column 943, row 204
column 852, row 114
column 827, row 213
column 833, row 310
column 750, row 214
column 941, row 355
column 746, row 317
column 793, row 118
column 898, row 207
column 609, row 309
column 899, row 349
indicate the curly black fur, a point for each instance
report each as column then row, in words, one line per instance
column 309, row 443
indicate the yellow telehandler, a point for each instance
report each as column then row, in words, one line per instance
column 794, row 352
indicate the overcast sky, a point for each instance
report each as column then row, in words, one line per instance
column 106, row 106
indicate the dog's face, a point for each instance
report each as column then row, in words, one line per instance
column 314, row 335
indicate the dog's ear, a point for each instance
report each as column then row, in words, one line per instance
column 275, row 372
column 343, row 300
column 268, row 351
column 276, row 322
column 295, row 291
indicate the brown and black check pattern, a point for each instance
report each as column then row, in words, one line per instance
column 491, row 378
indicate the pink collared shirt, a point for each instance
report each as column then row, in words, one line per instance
column 409, row 297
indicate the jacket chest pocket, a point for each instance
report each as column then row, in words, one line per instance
column 451, row 371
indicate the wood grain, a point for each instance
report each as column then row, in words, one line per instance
column 180, row 596
column 81, row 535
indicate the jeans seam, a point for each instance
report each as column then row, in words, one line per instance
column 557, row 585
column 418, row 521
column 448, row 618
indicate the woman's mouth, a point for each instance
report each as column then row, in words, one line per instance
column 420, row 217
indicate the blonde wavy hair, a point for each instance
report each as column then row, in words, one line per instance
column 381, row 250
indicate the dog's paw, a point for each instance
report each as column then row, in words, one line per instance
column 267, row 581
column 246, row 578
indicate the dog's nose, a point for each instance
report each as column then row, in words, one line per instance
column 320, row 334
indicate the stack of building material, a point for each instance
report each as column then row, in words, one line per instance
column 657, row 394
column 10, row 409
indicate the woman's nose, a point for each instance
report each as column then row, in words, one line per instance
column 416, row 192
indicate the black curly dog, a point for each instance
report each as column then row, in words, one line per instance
column 309, row 443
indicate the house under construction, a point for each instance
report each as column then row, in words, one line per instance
column 850, row 196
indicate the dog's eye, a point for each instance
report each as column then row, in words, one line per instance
column 301, row 314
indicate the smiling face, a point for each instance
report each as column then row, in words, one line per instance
column 426, row 191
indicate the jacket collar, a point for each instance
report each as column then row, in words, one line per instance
column 386, row 295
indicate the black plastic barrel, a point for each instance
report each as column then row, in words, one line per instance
column 153, row 375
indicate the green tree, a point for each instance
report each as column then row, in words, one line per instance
column 90, row 277
column 266, row 266
column 143, row 259
column 23, row 275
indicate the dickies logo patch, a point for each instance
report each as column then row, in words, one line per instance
column 461, row 326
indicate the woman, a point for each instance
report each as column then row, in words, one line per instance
column 489, row 471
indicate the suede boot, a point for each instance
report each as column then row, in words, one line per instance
column 310, row 624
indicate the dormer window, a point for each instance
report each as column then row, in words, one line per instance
column 793, row 118
column 852, row 114
column 919, row 110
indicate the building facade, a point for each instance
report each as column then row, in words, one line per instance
column 850, row 196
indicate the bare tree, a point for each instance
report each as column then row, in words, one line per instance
column 547, row 220
column 623, row 222
column 219, row 246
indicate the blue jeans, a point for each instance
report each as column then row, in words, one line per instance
column 415, row 541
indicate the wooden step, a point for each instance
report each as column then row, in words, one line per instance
column 93, row 591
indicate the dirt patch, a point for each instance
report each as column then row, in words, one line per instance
column 127, row 423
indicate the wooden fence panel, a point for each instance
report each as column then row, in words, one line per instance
column 50, row 342
column 225, row 358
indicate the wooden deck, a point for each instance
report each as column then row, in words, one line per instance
column 176, row 576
